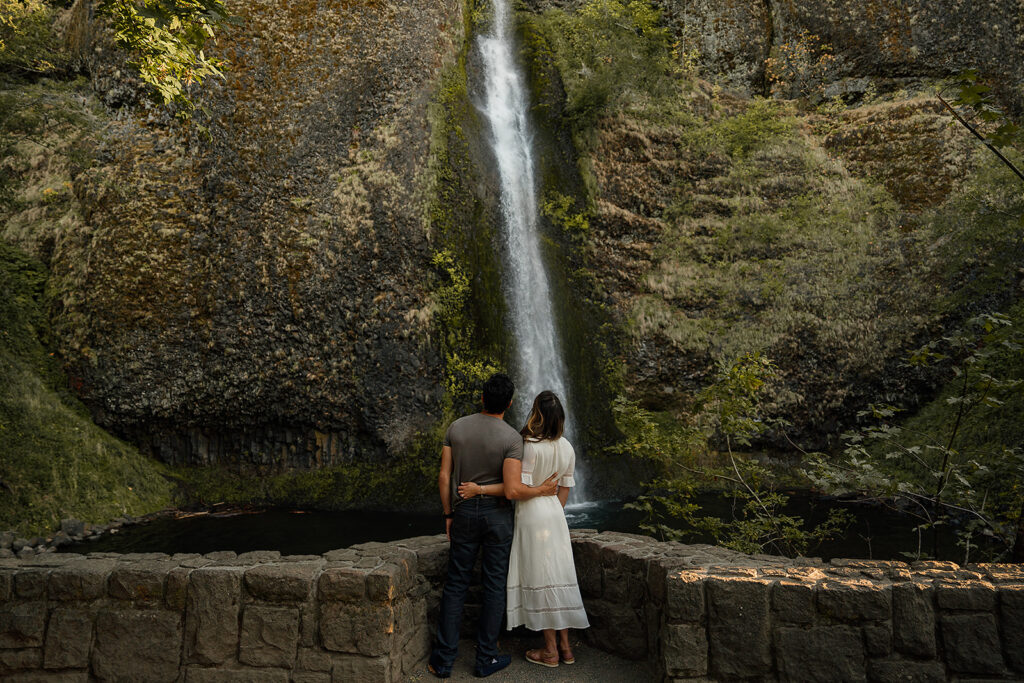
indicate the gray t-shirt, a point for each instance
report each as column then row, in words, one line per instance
column 480, row 443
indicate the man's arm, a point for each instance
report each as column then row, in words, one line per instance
column 444, row 481
column 468, row 489
column 515, row 489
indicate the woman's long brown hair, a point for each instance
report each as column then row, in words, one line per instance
column 547, row 418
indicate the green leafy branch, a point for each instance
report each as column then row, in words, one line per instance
column 726, row 413
column 937, row 479
column 165, row 40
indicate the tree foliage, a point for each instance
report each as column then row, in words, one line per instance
column 27, row 41
column 165, row 40
column 935, row 474
column 607, row 51
column 726, row 417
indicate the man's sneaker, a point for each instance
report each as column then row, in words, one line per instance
column 496, row 664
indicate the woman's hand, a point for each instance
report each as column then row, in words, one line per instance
column 468, row 489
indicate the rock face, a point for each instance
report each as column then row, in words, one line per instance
column 258, row 284
column 878, row 38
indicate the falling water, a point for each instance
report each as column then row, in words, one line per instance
column 539, row 363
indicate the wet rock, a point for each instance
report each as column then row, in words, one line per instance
column 73, row 527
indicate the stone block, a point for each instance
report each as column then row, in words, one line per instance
column 363, row 669
column 416, row 650
column 141, row 646
column 195, row 674
column 307, row 625
column 309, row 677
column 176, row 588
column 854, row 600
column 22, row 624
column 289, row 582
column 346, row 584
column 6, row 585
column 407, row 562
column 966, row 595
column 30, row 584
column 878, row 638
column 685, row 649
column 83, row 580
column 625, row 574
column 313, row 659
column 658, row 569
column 211, row 615
column 971, row 643
column 344, row 555
column 68, row 639
column 139, row 580
column 48, row 677
column 616, row 628
column 903, row 671
column 824, row 653
column 929, row 565
column 384, row 583
column 587, row 555
column 221, row 556
column 357, row 629
column 1003, row 573
column 270, row 636
column 1011, row 615
column 17, row 660
column 913, row 614
column 738, row 627
column 432, row 560
column 793, row 602
column 257, row 556
column 684, row 596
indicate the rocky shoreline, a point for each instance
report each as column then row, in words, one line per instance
column 71, row 531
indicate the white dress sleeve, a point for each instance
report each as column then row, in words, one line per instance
column 529, row 460
column 569, row 457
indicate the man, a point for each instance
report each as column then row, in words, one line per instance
column 475, row 449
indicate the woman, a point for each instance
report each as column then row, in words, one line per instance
column 542, row 591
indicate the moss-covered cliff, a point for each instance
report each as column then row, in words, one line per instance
column 256, row 286
column 807, row 230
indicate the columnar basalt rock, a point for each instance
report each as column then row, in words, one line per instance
column 365, row 613
column 280, row 289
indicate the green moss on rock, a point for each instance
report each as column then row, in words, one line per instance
column 56, row 463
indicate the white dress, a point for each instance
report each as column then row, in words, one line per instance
column 542, row 590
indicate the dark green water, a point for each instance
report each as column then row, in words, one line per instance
column 875, row 532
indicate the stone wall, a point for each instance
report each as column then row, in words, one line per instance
column 365, row 614
column 699, row 612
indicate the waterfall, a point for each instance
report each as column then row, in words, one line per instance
column 539, row 363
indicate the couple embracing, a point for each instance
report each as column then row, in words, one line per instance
column 528, row 573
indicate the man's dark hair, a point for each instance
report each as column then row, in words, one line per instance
column 498, row 390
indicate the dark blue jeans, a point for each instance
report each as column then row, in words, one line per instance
column 480, row 522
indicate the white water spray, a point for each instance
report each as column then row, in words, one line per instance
column 539, row 361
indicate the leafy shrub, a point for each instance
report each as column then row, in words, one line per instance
column 608, row 52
